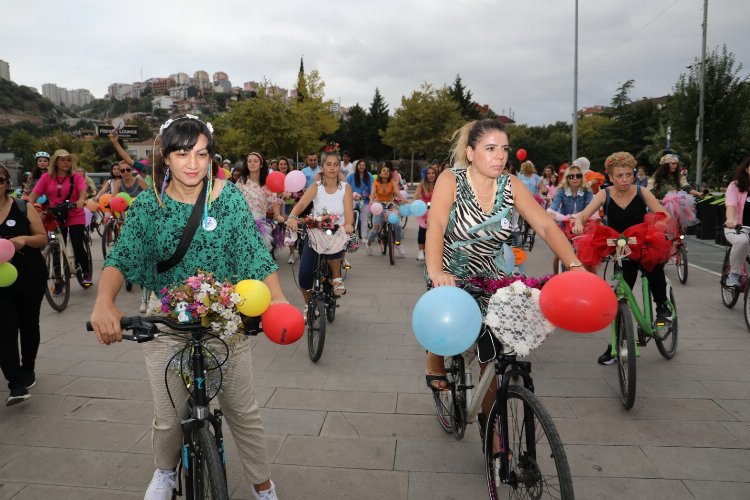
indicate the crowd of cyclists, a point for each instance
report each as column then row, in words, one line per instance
column 475, row 188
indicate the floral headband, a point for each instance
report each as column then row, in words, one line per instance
column 169, row 122
column 332, row 147
column 669, row 158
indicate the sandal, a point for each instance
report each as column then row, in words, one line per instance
column 339, row 288
column 434, row 382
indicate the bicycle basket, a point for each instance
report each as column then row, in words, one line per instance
column 515, row 318
column 327, row 244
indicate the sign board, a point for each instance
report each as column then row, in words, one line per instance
column 125, row 133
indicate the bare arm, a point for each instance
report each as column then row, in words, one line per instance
column 38, row 236
column 105, row 317
column 348, row 209
column 731, row 216
column 418, row 192
column 443, row 197
column 273, row 284
column 104, row 188
column 596, row 204
column 300, row 206
column 120, row 151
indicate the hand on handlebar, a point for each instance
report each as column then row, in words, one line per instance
column 442, row 279
column 292, row 224
column 105, row 319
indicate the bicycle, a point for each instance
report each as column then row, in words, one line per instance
column 387, row 236
column 531, row 459
column 57, row 291
column 202, row 462
column 110, row 235
column 680, row 257
column 527, row 234
column 730, row 294
column 624, row 345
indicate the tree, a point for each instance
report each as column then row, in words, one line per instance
column 726, row 104
column 23, row 145
column 424, row 123
column 378, row 118
column 353, row 132
column 466, row 106
column 547, row 144
column 301, row 81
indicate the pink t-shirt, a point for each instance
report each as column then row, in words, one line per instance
column 736, row 198
column 48, row 186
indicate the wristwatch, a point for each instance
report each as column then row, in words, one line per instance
column 575, row 263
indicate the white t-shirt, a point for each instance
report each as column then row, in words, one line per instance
column 330, row 203
column 347, row 168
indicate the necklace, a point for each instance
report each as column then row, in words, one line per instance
column 492, row 192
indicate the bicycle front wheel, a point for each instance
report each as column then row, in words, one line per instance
column 729, row 294
column 682, row 264
column 109, row 238
column 626, row 356
column 391, row 244
column 316, row 328
column 208, row 479
column 537, row 464
column 79, row 270
column 57, row 290
column 747, row 308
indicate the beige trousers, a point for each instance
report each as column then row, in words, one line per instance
column 236, row 398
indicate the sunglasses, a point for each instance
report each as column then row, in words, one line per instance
column 3, row 180
column 575, row 176
column 126, row 170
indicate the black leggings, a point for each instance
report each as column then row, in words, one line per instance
column 421, row 235
column 657, row 282
column 79, row 249
column 20, row 315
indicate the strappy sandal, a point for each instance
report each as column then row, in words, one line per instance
column 432, row 380
column 338, row 287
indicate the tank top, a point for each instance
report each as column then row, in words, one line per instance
column 29, row 262
column 619, row 218
column 383, row 192
column 330, row 203
column 133, row 191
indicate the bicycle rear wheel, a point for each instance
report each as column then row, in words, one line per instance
column 206, row 469
column 667, row 344
column 316, row 328
column 537, row 464
column 682, row 264
column 625, row 354
column 331, row 306
column 57, row 290
column 109, row 238
column 391, row 233
column 443, row 400
column 729, row 294
column 747, row 308
column 79, row 270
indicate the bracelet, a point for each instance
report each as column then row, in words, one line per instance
column 293, row 217
column 575, row 263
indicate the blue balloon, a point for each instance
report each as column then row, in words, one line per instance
column 418, row 208
column 42, row 199
column 404, row 210
column 446, row 320
column 393, row 218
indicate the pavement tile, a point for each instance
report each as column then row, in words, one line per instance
column 50, row 384
column 382, row 425
column 9, row 490
column 330, row 364
column 648, row 408
column 650, row 388
column 334, row 451
column 610, row 488
column 263, row 394
column 725, row 389
column 303, row 483
column 406, row 352
column 710, row 464
column 741, row 431
column 373, row 383
column 415, row 404
column 446, row 486
column 737, row 408
column 53, row 366
column 44, row 405
column 44, row 492
column 448, row 455
column 367, row 402
column 81, row 352
column 294, row 380
column 390, row 366
column 108, row 369
column 712, row 490
column 365, row 351
column 108, row 389
column 301, row 422
column 578, row 387
column 609, row 461
column 108, row 410
column 9, row 452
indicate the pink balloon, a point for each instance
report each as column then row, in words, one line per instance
column 294, row 181
column 404, row 194
column 376, row 208
column 221, row 174
column 7, row 250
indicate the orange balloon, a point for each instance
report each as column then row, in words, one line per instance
column 519, row 254
column 104, row 202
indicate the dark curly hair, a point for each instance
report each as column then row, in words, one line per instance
column 742, row 177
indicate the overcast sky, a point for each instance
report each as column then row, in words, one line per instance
column 512, row 54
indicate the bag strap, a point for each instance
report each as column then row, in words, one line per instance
column 70, row 191
column 187, row 234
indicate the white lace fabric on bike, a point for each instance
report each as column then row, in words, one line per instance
column 515, row 318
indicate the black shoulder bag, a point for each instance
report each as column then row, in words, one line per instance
column 187, row 234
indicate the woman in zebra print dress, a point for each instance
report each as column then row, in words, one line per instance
column 470, row 220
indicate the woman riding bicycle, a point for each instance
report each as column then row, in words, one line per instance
column 61, row 185
column 424, row 192
column 260, row 199
column 626, row 204
column 738, row 214
column 151, row 234
column 470, row 223
column 572, row 197
column 385, row 190
column 41, row 165
column 361, row 182
column 288, row 201
column 329, row 196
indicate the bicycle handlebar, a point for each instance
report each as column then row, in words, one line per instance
column 145, row 329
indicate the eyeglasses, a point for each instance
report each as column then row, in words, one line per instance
column 3, row 180
column 575, row 176
column 126, row 170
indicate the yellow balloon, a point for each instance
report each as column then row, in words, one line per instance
column 256, row 295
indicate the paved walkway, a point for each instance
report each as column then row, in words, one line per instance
column 359, row 424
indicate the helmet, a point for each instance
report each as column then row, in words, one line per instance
column 669, row 158
column 41, row 154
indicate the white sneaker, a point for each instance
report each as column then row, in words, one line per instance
column 269, row 494
column 733, row 280
column 420, row 255
column 400, row 252
column 291, row 259
column 161, row 485
column 369, row 248
column 142, row 309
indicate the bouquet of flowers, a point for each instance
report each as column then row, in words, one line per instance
column 322, row 234
column 323, row 221
column 332, row 147
column 203, row 298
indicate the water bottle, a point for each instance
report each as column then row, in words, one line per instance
column 468, row 382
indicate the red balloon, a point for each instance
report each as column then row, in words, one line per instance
column 275, row 181
column 283, row 324
column 118, row 204
column 578, row 302
column 521, row 154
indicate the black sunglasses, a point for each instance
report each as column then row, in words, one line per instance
column 126, row 170
column 3, row 179
column 575, row 176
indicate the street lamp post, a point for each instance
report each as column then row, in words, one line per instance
column 699, row 152
column 574, row 146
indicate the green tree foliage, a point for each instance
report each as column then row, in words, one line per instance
column 726, row 104
column 424, row 123
column 631, row 121
column 353, row 132
column 548, row 144
column 378, row 120
column 23, row 145
column 595, row 139
column 462, row 96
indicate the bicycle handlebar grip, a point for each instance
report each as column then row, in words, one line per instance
column 126, row 322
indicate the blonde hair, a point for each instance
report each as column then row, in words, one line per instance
column 564, row 184
column 528, row 168
column 621, row 159
column 52, row 169
column 468, row 136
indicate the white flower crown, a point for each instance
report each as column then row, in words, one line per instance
column 169, row 122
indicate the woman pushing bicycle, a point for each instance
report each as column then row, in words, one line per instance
column 626, row 204
column 470, row 221
column 148, row 253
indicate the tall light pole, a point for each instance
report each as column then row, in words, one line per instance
column 699, row 152
column 574, row 146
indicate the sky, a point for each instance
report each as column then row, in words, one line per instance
column 514, row 55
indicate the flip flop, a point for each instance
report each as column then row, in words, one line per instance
column 430, row 379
